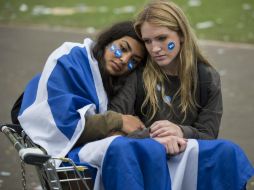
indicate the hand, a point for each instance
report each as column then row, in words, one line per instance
column 174, row 145
column 131, row 123
column 165, row 128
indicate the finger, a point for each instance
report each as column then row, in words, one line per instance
column 175, row 147
column 168, row 149
column 154, row 127
column 168, row 132
column 142, row 126
column 157, row 132
column 159, row 127
column 159, row 124
column 182, row 144
column 182, row 147
column 165, row 134
column 171, row 149
column 154, row 123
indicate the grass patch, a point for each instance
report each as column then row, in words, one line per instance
column 221, row 20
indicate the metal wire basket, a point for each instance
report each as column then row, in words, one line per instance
column 69, row 176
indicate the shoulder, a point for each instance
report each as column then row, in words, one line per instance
column 73, row 55
column 139, row 73
column 132, row 78
column 88, row 43
column 208, row 74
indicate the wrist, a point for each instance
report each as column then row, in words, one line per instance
column 180, row 131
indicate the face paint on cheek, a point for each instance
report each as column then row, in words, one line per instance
column 130, row 65
column 171, row 46
column 113, row 47
column 117, row 52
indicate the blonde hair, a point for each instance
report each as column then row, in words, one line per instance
column 168, row 14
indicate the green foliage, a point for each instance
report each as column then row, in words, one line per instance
column 215, row 20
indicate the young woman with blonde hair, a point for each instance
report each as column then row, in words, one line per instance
column 178, row 92
column 178, row 80
column 178, row 97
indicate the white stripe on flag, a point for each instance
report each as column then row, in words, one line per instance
column 102, row 96
column 183, row 168
column 93, row 153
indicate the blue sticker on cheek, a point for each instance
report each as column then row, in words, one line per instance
column 171, row 46
column 130, row 66
column 118, row 53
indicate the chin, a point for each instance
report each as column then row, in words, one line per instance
column 163, row 63
column 113, row 73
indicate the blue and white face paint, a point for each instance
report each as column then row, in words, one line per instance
column 130, row 65
column 171, row 46
column 118, row 54
column 113, row 47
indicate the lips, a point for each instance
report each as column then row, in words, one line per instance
column 159, row 57
column 116, row 66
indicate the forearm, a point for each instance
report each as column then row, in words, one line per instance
column 204, row 128
column 190, row 132
column 100, row 126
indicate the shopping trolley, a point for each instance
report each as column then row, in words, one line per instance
column 69, row 176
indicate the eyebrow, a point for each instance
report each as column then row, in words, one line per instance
column 156, row 36
column 130, row 49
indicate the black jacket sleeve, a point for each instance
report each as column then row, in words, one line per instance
column 209, row 117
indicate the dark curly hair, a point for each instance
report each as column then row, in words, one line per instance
column 106, row 37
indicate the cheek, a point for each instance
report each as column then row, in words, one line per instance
column 173, row 47
column 106, row 55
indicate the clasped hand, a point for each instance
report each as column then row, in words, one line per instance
column 131, row 123
column 165, row 132
column 165, row 128
column 170, row 135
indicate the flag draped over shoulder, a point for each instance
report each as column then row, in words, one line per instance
column 139, row 164
column 56, row 102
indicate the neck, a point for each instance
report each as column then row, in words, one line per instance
column 171, row 68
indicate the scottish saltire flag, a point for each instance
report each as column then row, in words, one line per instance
column 141, row 164
column 56, row 102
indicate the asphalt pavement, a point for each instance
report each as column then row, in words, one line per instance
column 23, row 52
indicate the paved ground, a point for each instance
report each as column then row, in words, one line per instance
column 23, row 53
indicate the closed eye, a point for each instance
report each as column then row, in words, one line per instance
column 161, row 38
column 146, row 41
column 123, row 48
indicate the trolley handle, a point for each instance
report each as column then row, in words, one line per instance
column 33, row 156
column 14, row 127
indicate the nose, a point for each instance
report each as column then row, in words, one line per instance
column 125, row 58
column 155, row 47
